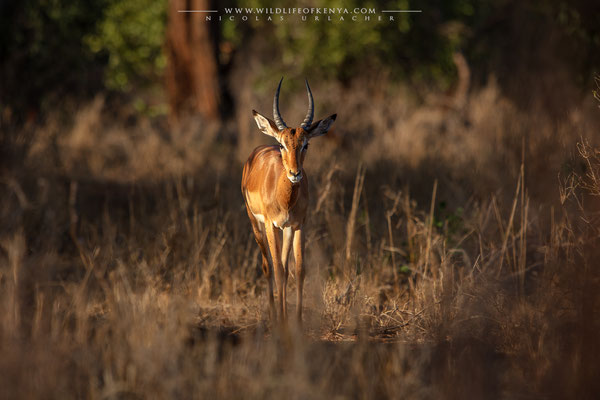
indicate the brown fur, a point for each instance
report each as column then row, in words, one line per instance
column 274, row 201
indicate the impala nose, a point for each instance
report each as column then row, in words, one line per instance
column 295, row 176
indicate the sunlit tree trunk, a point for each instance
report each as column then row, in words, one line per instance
column 192, row 76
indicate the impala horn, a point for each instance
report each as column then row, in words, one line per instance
column 311, row 109
column 276, row 114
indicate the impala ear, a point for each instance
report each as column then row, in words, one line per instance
column 266, row 126
column 321, row 127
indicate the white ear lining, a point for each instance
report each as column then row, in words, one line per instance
column 263, row 124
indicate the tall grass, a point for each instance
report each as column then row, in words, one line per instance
column 445, row 259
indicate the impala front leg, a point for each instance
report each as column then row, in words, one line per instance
column 288, row 234
column 274, row 240
column 299, row 257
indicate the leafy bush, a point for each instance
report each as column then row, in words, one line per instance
column 415, row 45
column 131, row 33
column 42, row 52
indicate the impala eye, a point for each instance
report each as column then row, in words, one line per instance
column 305, row 146
column 280, row 147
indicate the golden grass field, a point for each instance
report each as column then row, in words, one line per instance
column 451, row 253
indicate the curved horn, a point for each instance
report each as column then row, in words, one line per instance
column 311, row 109
column 276, row 114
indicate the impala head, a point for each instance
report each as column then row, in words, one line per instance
column 293, row 142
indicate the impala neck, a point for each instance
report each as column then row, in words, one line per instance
column 287, row 192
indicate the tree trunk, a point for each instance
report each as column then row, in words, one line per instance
column 192, row 76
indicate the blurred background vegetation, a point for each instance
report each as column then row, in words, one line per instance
column 455, row 203
column 56, row 48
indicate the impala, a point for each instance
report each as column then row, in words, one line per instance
column 275, row 190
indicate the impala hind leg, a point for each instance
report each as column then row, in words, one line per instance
column 267, row 271
column 300, row 273
column 261, row 239
column 285, row 252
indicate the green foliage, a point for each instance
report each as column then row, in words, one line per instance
column 51, row 48
column 416, row 46
column 41, row 50
column 405, row 269
column 131, row 33
column 451, row 222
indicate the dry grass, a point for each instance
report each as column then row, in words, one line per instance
column 450, row 263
